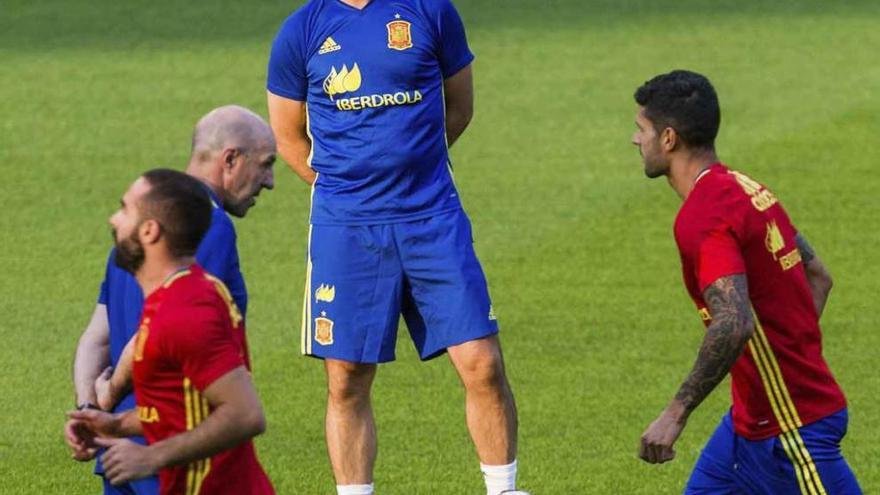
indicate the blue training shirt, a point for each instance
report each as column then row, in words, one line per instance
column 372, row 80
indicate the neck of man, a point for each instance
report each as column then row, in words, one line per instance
column 208, row 173
column 686, row 167
column 358, row 4
column 157, row 268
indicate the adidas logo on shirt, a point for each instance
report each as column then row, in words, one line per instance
column 329, row 46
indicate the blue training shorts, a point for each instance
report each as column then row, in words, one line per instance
column 145, row 486
column 733, row 465
column 361, row 278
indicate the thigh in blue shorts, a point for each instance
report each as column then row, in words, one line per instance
column 808, row 462
column 361, row 279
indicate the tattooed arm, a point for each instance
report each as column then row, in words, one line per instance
column 732, row 326
column 817, row 275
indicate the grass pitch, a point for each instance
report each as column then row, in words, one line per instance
column 597, row 330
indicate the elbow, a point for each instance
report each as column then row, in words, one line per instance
column 827, row 283
column 460, row 117
column 255, row 423
column 467, row 115
column 746, row 331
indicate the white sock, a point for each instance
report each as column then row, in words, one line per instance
column 354, row 489
column 499, row 478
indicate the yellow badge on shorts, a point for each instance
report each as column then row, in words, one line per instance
column 326, row 293
column 399, row 35
column 323, row 329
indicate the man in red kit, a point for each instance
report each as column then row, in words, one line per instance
column 759, row 289
column 196, row 403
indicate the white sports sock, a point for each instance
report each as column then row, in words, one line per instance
column 354, row 489
column 499, row 478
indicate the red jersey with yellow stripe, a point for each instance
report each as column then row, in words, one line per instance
column 191, row 334
column 730, row 224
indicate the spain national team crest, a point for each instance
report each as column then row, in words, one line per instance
column 399, row 35
column 323, row 329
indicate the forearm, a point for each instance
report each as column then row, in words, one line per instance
column 90, row 360
column 296, row 153
column 289, row 121
column 721, row 347
column 92, row 356
column 731, row 328
column 120, row 380
column 456, row 122
column 129, row 424
column 221, row 430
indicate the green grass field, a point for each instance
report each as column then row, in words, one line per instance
column 597, row 329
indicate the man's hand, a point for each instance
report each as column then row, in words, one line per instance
column 100, row 423
column 125, row 460
column 80, row 439
column 658, row 440
column 83, row 428
column 104, row 392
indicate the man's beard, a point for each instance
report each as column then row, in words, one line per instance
column 129, row 252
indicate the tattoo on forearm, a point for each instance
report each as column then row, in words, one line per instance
column 732, row 326
column 807, row 252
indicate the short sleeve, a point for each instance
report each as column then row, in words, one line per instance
column 202, row 340
column 719, row 256
column 104, row 291
column 287, row 74
column 454, row 53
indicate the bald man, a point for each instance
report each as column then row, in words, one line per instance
column 233, row 151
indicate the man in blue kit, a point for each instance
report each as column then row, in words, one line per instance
column 233, row 151
column 365, row 96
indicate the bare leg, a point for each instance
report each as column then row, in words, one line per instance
column 490, row 408
column 350, row 428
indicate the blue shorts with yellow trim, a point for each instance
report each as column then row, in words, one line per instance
column 733, row 465
column 362, row 278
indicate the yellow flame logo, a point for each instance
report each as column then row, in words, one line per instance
column 344, row 81
column 774, row 240
column 326, row 293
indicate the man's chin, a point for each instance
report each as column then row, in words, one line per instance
column 653, row 173
column 239, row 210
column 127, row 263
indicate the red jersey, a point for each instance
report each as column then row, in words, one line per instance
column 191, row 334
column 730, row 224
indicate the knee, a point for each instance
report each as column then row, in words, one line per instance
column 348, row 384
column 483, row 371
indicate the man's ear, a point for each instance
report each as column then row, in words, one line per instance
column 668, row 139
column 150, row 232
column 229, row 156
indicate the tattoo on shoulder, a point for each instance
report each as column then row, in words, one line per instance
column 807, row 252
column 732, row 326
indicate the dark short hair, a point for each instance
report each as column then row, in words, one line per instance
column 684, row 101
column 181, row 205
